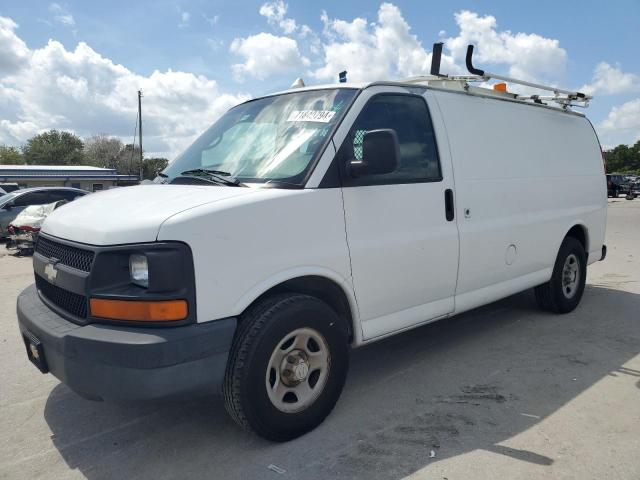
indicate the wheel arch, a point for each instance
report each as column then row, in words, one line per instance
column 328, row 287
column 579, row 232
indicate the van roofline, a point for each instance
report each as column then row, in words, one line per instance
column 473, row 91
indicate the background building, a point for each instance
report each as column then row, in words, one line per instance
column 87, row 178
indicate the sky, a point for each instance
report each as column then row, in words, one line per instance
column 77, row 65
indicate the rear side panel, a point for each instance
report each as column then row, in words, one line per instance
column 524, row 176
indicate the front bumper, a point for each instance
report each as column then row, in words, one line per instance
column 115, row 362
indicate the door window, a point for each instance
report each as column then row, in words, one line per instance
column 33, row 198
column 70, row 196
column 409, row 116
column 56, row 195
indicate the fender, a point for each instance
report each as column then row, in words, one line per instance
column 303, row 271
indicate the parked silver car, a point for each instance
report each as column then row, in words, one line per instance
column 13, row 203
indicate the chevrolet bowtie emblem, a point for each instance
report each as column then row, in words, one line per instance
column 50, row 270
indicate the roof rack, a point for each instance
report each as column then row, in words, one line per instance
column 565, row 98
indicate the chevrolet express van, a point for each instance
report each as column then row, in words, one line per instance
column 304, row 223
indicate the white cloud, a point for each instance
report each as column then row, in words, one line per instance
column 305, row 30
column 62, row 15
column 14, row 53
column 275, row 12
column 214, row 44
column 622, row 124
column 265, row 55
column 82, row 91
column 527, row 56
column 212, row 21
column 610, row 80
column 12, row 131
column 375, row 51
column 66, row 19
column 387, row 48
column 185, row 17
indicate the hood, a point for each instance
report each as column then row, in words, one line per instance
column 131, row 214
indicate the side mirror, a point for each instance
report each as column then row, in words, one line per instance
column 380, row 153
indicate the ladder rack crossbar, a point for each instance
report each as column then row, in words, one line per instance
column 564, row 97
column 539, row 86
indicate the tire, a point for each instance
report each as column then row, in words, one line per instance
column 260, row 366
column 560, row 294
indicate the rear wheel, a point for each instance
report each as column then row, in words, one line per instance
column 563, row 292
column 287, row 366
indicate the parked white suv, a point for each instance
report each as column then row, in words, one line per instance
column 305, row 223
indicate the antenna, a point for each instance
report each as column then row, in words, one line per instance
column 342, row 76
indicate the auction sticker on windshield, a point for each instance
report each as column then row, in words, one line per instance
column 323, row 116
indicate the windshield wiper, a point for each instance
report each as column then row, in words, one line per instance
column 217, row 176
column 205, row 170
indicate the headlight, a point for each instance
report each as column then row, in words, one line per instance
column 139, row 270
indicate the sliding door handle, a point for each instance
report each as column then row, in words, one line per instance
column 449, row 210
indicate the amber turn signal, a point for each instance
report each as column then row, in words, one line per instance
column 140, row 311
column 500, row 87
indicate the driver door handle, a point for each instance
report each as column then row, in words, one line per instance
column 449, row 210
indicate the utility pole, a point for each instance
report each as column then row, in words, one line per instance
column 140, row 130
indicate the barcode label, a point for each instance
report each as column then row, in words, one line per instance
column 323, row 116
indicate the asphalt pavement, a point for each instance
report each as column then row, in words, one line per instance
column 505, row 391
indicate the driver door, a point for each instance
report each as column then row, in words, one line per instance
column 403, row 240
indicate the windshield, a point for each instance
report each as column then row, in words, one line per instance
column 270, row 140
column 4, row 199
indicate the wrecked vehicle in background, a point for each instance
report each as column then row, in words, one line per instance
column 15, row 202
column 24, row 229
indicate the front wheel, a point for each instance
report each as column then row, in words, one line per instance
column 287, row 366
column 563, row 292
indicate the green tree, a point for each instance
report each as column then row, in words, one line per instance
column 54, row 148
column 10, row 156
column 128, row 160
column 152, row 166
column 623, row 159
column 102, row 151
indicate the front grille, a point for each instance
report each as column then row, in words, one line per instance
column 68, row 301
column 71, row 256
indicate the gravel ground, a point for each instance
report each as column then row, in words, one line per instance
column 504, row 391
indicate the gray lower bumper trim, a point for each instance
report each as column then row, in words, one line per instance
column 128, row 362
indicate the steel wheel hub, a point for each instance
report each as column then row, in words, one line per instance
column 294, row 368
column 570, row 276
column 298, row 369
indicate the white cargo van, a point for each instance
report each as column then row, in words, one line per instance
column 305, row 223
